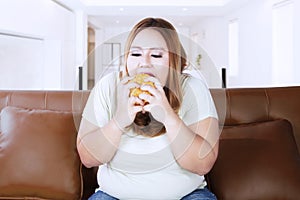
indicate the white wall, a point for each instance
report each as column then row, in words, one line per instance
column 52, row 23
column 81, row 47
column 255, row 43
column 63, row 43
column 14, row 53
column 297, row 40
column 107, row 35
column 211, row 37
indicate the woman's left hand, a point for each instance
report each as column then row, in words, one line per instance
column 158, row 104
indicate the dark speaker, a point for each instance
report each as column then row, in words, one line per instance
column 80, row 77
column 223, row 77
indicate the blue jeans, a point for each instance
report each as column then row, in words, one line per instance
column 99, row 195
column 199, row 194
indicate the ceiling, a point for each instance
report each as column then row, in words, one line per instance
column 124, row 13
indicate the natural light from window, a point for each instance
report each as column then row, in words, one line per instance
column 283, row 68
column 156, row 2
column 233, row 47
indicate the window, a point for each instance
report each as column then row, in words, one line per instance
column 282, row 43
column 22, row 62
column 233, row 45
column 111, row 58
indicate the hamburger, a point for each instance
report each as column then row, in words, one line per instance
column 144, row 123
column 140, row 79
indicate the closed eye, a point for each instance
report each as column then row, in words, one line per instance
column 136, row 54
column 156, row 56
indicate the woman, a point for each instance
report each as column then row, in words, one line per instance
column 157, row 145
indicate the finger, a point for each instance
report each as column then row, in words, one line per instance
column 133, row 101
column 146, row 97
column 128, row 87
column 156, row 82
column 126, row 79
column 147, row 107
column 151, row 90
column 137, row 109
column 159, row 87
column 151, row 78
column 132, row 85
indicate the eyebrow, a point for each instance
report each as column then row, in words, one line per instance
column 152, row 48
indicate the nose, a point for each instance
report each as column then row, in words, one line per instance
column 145, row 59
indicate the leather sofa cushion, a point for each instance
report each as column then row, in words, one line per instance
column 38, row 155
column 257, row 161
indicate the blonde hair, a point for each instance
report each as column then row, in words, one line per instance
column 145, row 124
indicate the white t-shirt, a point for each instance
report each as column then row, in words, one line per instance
column 144, row 168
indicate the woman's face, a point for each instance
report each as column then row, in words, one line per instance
column 149, row 54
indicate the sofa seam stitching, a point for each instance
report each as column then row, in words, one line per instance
column 8, row 99
column 228, row 105
column 45, row 100
column 268, row 103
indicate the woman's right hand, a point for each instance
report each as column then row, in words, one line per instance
column 127, row 107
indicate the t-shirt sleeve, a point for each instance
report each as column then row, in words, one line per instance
column 197, row 102
column 98, row 107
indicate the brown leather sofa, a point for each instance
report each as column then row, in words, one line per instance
column 258, row 155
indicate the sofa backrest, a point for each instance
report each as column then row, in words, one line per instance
column 69, row 101
column 259, row 145
column 243, row 106
column 252, row 105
